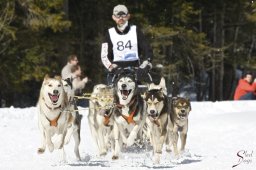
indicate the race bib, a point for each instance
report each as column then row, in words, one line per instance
column 125, row 47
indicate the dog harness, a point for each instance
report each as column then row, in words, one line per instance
column 129, row 119
column 54, row 122
column 157, row 122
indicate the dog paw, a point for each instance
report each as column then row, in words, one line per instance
column 78, row 159
column 130, row 141
column 40, row 150
column 103, row 153
column 168, row 149
column 66, row 141
column 157, row 161
column 51, row 147
column 61, row 146
column 114, row 157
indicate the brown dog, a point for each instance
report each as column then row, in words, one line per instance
column 178, row 127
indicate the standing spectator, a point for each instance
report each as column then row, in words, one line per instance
column 245, row 90
column 66, row 71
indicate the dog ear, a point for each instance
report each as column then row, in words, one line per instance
column 162, row 82
column 161, row 92
column 57, row 77
column 148, row 86
column 46, row 77
column 190, row 108
column 143, row 95
column 174, row 100
column 188, row 102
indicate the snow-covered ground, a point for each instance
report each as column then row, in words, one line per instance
column 221, row 134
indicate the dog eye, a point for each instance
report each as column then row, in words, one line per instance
column 59, row 85
column 50, row 85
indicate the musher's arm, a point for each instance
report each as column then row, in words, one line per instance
column 107, row 53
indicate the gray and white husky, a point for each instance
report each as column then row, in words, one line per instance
column 128, row 113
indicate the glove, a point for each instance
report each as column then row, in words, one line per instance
column 144, row 68
column 112, row 68
column 142, row 72
column 146, row 65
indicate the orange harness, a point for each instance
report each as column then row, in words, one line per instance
column 53, row 122
column 129, row 119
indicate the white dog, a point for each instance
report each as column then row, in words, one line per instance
column 54, row 115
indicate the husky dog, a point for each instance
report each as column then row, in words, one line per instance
column 54, row 116
column 180, row 108
column 99, row 117
column 128, row 113
column 68, row 88
column 74, row 128
column 157, row 116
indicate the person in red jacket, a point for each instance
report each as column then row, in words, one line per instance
column 246, row 90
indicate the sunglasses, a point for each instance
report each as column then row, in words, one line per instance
column 121, row 16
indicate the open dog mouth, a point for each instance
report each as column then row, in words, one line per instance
column 182, row 115
column 125, row 93
column 54, row 97
column 154, row 116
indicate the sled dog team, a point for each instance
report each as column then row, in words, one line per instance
column 119, row 116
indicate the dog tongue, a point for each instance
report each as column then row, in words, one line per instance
column 54, row 97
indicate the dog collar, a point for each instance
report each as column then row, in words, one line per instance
column 54, row 108
column 129, row 104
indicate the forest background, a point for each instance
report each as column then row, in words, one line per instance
column 200, row 46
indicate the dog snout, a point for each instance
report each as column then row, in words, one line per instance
column 124, row 86
column 182, row 110
column 55, row 92
column 152, row 112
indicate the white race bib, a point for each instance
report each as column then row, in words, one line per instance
column 125, row 47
